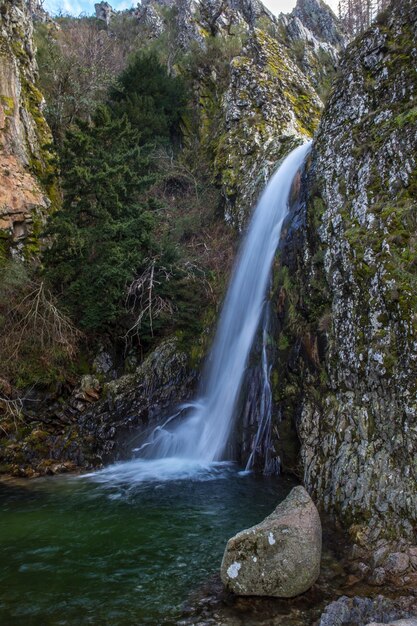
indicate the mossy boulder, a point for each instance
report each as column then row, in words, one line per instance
column 280, row 556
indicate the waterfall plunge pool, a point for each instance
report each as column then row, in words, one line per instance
column 75, row 551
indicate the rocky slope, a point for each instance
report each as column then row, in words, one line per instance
column 350, row 304
column 265, row 102
column 315, row 40
column 27, row 170
column 102, row 420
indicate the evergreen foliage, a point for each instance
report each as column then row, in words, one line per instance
column 103, row 234
column 123, row 259
column 153, row 101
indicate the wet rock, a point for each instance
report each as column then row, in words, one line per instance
column 135, row 403
column 278, row 557
column 363, row 611
column 97, row 422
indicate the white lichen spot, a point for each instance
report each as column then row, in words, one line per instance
column 271, row 539
column 233, row 570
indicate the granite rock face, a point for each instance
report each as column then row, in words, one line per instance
column 351, row 303
column 315, row 40
column 280, row 556
column 26, row 164
column 104, row 12
column 38, row 12
column 269, row 108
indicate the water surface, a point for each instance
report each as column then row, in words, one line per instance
column 77, row 551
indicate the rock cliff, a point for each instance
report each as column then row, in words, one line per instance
column 350, row 304
column 315, row 40
column 268, row 100
column 27, row 170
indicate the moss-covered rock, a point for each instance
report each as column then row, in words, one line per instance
column 254, row 98
column 28, row 171
column 98, row 421
column 269, row 108
column 353, row 293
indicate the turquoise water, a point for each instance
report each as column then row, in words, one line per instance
column 75, row 552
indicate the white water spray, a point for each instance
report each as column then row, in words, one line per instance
column 203, row 434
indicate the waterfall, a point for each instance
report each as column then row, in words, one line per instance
column 199, row 432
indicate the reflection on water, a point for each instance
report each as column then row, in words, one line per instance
column 99, row 551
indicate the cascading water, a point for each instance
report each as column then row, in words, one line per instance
column 262, row 447
column 202, row 436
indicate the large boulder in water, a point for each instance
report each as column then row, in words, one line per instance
column 280, row 556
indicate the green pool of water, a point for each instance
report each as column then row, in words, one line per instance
column 75, row 552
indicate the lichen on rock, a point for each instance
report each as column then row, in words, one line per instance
column 269, row 109
column 27, row 165
column 278, row 557
column 354, row 295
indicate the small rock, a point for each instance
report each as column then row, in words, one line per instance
column 401, row 622
column 378, row 576
column 279, row 557
column 103, row 364
column 397, row 563
column 363, row 569
column 371, row 611
column 90, row 388
column 379, row 555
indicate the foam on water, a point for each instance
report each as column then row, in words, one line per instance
column 160, row 470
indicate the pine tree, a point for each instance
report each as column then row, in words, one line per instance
column 153, row 101
column 103, row 234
